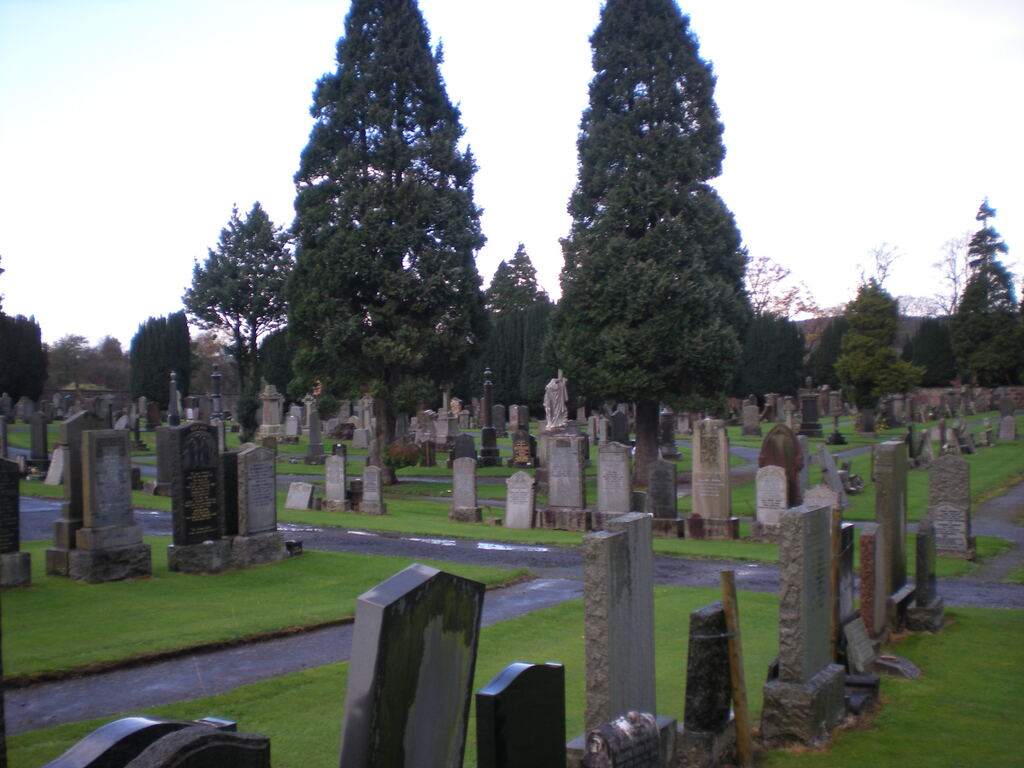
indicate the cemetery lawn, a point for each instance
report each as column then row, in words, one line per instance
column 302, row 712
column 127, row 619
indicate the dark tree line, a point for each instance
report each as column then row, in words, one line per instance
column 161, row 345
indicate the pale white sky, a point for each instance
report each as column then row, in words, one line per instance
column 128, row 128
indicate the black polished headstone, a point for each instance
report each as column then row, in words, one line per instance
column 708, row 692
column 195, row 498
column 520, row 718
column 10, row 536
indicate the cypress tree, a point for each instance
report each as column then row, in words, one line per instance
column 932, row 349
column 161, row 345
column 652, row 285
column 772, row 357
column 385, row 297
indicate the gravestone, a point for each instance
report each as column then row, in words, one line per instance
column 614, row 481
column 360, row 438
column 618, row 427
column 372, row 502
column 949, row 505
column 3, row 437
column 463, row 448
column 55, row 472
column 520, row 718
column 667, row 435
column 860, row 650
column 411, row 673
column 771, row 499
column 804, row 474
column 15, row 566
column 499, row 419
column 335, row 484
column 227, row 485
column 806, row 701
column 830, row 476
column 1007, row 428
column 464, row 507
column 781, row 449
column 809, row 424
column 300, row 496
column 712, row 492
column 108, row 546
column 270, row 413
column 890, row 476
column 926, row 615
column 661, row 490
column 39, row 457
column 524, row 450
column 315, row 449
column 66, row 527
column 174, row 402
column 153, row 416
column 708, row 735
column 520, row 501
column 291, row 426
column 567, row 496
column 258, row 540
column 751, row 421
column 490, row 456
column 199, row 546
column 163, row 461
column 629, row 741
column 873, row 592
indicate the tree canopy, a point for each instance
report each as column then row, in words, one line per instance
column 239, row 289
column 931, row 347
column 161, row 345
column 514, row 285
column 24, row 368
column 869, row 367
column 652, row 285
column 772, row 357
column 821, row 365
column 385, row 297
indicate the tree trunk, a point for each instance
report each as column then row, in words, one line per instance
column 384, row 435
column 646, row 439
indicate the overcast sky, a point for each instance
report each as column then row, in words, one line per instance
column 128, row 128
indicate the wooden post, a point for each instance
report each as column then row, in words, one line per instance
column 744, row 748
column 837, row 522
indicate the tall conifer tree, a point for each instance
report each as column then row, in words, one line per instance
column 385, row 297
column 652, row 286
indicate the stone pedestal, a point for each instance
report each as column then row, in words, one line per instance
column 562, row 519
column 667, row 745
column 207, row 557
column 928, row 618
column 257, row 549
column 94, row 566
column 15, row 569
column 465, row 514
column 699, row 749
column 803, row 712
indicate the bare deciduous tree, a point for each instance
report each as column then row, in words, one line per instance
column 883, row 257
column 769, row 292
column 955, row 268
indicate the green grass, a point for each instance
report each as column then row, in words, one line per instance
column 121, row 620
column 1016, row 576
column 955, row 715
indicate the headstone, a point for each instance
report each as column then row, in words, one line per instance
column 751, row 421
column 860, row 650
column 270, row 413
column 949, row 505
column 372, row 502
column 567, row 496
column 66, row 527
column 614, row 479
column 464, row 448
column 809, row 424
column 806, row 700
column 153, row 416
column 39, row 453
column 712, row 492
column 804, row 475
column 335, row 484
column 781, row 448
column 163, row 460
column 499, row 419
column 258, row 540
column 520, row 717
column 629, row 741
column 55, row 472
column 411, row 672
column 770, row 487
column 291, row 426
column 1007, row 428
column 667, row 435
column 15, row 566
column 890, row 468
column 708, row 736
column 524, row 450
column 927, row 613
column 873, row 592
column 520, row 501
column 300, row 496
column 618, row 428
column 108, row 546
column 661, row 489
column 618, row 599
column 315, row 449
column 830, row 476
column 174, row 402
column 464, row 508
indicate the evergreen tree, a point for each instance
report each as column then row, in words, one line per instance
column 869, row 367
column 821, row 364
column 514, row 285
column 988, row 339
column 276, row 355
column 240, row 288
column 772, row 357
column 652, row 285
column 931, row 348
column 24, row 367
column 161, row 345
column 385, row 297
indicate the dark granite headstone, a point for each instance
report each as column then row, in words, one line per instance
column 520, row 718
column 618, row 428
column 411, row 674
column 524, row 450
column 629, row 741
column 708, row 691
column 227, row 484
column 661, row 489
column 10, row 536
column 197, row 514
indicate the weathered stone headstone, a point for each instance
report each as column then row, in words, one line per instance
column 806, row 700
column 567, row 496
column 315, row 449
column 464, row 508
column 360, row 438
column 499, row 418
column 109, row 544
column 372, row 502
column 949, row 505
column 258, row 540
column 873, row 592
column 39, row 456
column 890, row 468
column 66, row 527
column 809, row 424
column 770, row 487
column 927, row 613
column 520, row 717
column 411, row 674
column 712, row 492
column 55, row 472
column 860, row 650
column 751, row 421
column 300, row 496
column 614, row 479
column 291, row 426
column 629, row 741
column 667, row 435
column 708, row 736
column 661, row 489
column 15, row 566
column 803, row 476
column 335, row 484
column 199, row 546
column 1007, row 428
column 830, row 475
column 520, row 501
